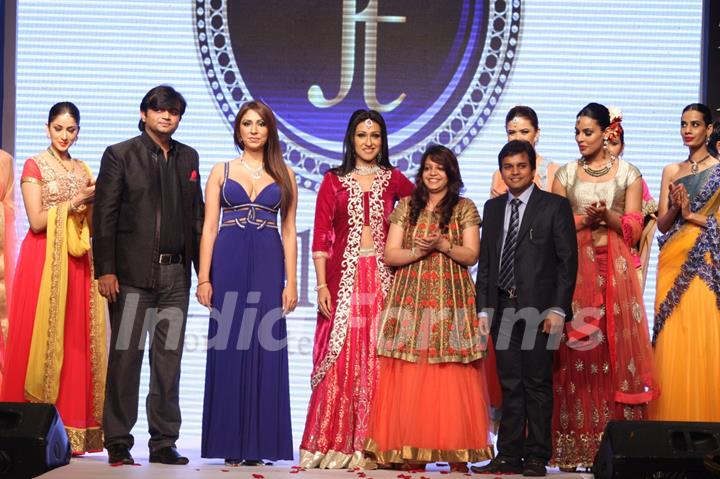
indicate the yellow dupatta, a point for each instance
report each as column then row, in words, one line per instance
column 688, row 251
column 674, row 253
column 66, row 234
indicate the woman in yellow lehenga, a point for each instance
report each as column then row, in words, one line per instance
column 687, row 302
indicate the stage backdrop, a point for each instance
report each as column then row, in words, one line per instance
column 441, row 71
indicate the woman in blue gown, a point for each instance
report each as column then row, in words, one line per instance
column 247, row 277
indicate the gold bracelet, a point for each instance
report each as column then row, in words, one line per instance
column 203, row 282
column 413, row 253
column 449, row 247
column 321, row 286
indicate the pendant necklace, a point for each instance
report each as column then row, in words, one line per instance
column 694, row 165
column 256, row 173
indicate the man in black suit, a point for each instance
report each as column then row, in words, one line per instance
column 147, row 220
column 525, row 283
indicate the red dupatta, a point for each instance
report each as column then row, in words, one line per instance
column 627, row 326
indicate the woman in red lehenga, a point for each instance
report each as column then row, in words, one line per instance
column 353, row 205
column 7, row 245
column 56, row 350
column 604, row 367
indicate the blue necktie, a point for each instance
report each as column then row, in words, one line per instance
column 506, row 279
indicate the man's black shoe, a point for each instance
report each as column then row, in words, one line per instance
column 498, row 465
column 168, row 455
column 119, row 454
column 534, row 467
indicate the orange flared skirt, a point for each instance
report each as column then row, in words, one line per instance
column 429, row 413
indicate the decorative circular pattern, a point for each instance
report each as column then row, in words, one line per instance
column 456, row 130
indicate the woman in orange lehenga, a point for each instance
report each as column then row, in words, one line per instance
column 604, row 366
column 431, row 403
column 56, row 339
column 7, row 245
column 687, row 301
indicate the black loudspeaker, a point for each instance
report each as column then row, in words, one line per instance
column 651, row 449
column 32, row 440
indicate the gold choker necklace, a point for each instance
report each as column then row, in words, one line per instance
column 602, row 171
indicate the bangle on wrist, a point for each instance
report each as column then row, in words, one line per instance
column 203, row 282
column 413, row 253
column 449, row 247
column 321, row 286
column 72, row 206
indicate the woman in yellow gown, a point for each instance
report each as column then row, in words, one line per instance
column 687, row 301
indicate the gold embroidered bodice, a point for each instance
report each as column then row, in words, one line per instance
column 582, row 194
column 58, row 187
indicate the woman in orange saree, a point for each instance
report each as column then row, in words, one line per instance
column 687, row 301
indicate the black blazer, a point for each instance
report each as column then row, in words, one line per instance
column 545, row 256
column 127, row 209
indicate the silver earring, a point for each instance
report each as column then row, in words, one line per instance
column 379, row 157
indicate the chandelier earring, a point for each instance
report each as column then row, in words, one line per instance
column 378, row 159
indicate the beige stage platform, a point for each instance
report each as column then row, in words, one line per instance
column 95, row 466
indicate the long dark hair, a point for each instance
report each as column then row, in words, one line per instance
column 272, row 154
column 348, row 161
column 447, row 159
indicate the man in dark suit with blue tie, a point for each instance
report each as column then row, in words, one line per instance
column 525, row 282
